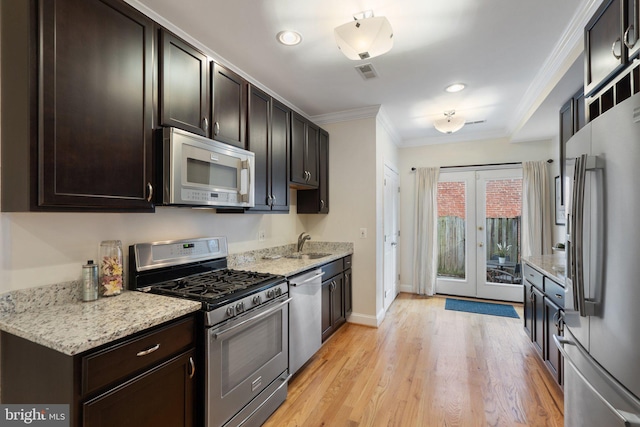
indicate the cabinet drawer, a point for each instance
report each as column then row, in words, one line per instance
column 331, row 269
column 115, row 363
column 533, row 276
column 554, row 292
column 347, row 262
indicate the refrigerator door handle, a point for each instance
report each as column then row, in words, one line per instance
column 629, row 419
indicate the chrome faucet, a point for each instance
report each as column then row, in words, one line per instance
column 303, row 237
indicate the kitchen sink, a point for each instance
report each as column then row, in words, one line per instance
column 311, row 255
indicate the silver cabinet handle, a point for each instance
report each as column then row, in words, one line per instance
column 321, row 204
column 148, row 351
column 274, row 200
column 205, row 124
column 613, row 48
column 150, row 191
column 627, row 42
column 269, row 201
column 216, row 128
column 193, row 367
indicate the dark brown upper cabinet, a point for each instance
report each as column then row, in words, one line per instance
column 317, row 201
column 605, row 50
column 84, row 142
column 304, row 152
column 184, row 90
column 632, row 29
column 229, row 117
column 268, row 138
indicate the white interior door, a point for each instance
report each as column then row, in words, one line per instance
column 477, row 210
column 391, row 235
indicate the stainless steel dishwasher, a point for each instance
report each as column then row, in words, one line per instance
column 305, row 327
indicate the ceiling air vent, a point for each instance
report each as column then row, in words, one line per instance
column 367, row 71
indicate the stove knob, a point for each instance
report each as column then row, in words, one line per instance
column 240, row 307
column 257, row 300
column 270, row 293
column 278, row 292
column 230, row 312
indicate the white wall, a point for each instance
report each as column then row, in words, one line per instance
column 45, row 248
column 464, row 153
column 352, row 187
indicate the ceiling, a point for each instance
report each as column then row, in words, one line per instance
column 519, row 59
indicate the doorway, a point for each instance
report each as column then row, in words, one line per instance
column 479, row 223
column 391, row 235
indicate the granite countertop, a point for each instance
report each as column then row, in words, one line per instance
column 552, row 266
column 75, row 326
column 275, row 260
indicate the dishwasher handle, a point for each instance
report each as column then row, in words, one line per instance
column 307, row 280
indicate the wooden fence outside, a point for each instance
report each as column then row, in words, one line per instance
column 451, row 242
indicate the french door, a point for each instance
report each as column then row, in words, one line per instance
column 479, row 223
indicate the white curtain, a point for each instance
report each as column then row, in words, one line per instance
column 425, row 251
column 536, row 209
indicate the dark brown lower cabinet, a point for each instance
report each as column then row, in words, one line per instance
column 538, row 328
column 148, row 379
column 336, row 295
column 553, row 326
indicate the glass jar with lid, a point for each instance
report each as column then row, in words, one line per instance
column 110, row 267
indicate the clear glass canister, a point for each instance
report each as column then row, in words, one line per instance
column 110, row 267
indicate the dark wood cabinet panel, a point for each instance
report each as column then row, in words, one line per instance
column 268, row 138
column 632, row 28
column 229, row 114
column 553, row 326
column 605, row 51
column 162, row 396
column 337, row 303
column 336, row 295
column 528, row 309
column 304, row 152
column 96, row 105
column 538, row 317
column 327, row 301
column 280, row 138
column 184, row 90
column 317, row 200
column 348, row 295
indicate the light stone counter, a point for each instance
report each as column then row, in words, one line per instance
column 73, row 326
column 552, row 266
column 275, row 261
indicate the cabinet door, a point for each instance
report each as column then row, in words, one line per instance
column 528, row 308
column 163, row 396
column 229, row 106
column 184, row 90
column 327, row 325
column 297, row 153
column 632, row 28
column 348, row 304
column 538, row 319
column 258, row 142
column 552, row 322
column 317, row 200
column 605, row 52
column 312, row 150
column 579, row 110
column 337, row 301
column 96, row 105
column 280, row 138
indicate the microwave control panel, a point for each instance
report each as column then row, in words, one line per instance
column 204, row 196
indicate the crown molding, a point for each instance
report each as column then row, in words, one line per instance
column 347, row 115
column 387, row 124
column 565, row 52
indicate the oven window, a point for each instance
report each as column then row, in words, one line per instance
column 247, row 351
column 207, row 173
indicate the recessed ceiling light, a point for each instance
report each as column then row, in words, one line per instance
column 456, row 87
column 289, row 38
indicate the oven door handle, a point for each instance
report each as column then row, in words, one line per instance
column 251, row 319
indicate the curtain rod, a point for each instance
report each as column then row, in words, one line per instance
column 486, row 164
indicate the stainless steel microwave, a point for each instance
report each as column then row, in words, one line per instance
column 198, row 171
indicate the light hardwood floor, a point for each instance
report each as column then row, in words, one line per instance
column 425, row 366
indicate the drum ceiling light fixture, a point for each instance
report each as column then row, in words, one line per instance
column 366, row 37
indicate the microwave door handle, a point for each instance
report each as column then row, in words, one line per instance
column 244, row 178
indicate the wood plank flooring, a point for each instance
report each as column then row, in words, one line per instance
column 425, row 366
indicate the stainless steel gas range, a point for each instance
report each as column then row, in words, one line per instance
column 245, row 324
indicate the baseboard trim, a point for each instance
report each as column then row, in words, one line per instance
column 366, row 319
column 406, row 288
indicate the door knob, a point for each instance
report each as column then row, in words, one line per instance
column 480, row 228
column 480, row 244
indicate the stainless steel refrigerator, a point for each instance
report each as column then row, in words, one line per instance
column 601, row 343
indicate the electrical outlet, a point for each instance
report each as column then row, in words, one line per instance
column 261, row 235
column 363, row 233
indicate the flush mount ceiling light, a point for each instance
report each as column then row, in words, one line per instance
column 366, row 37
column 449, row 124
column 455, row 87
column 289, row 38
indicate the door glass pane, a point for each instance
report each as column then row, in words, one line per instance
column 452, row 224
column 503, row 225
